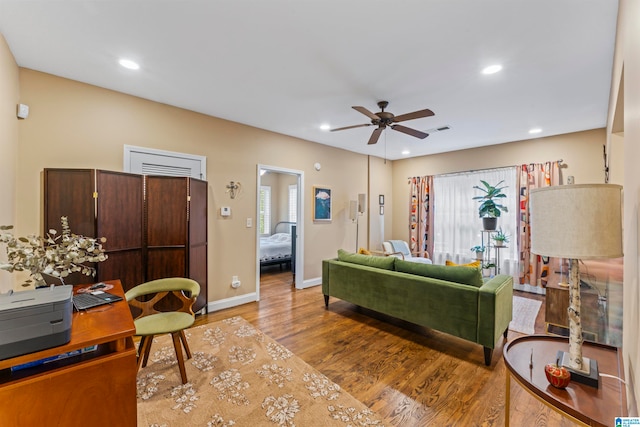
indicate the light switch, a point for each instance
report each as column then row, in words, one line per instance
column 249, row 222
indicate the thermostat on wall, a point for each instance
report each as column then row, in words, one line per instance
column 225, row 211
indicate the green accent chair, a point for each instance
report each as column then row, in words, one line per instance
column 150, row 322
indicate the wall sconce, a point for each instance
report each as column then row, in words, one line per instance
column 233, row 188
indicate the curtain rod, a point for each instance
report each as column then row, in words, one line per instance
column 486, row 169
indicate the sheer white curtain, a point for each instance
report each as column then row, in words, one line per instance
column 457, row 227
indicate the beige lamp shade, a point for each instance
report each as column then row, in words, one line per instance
column 581, row 221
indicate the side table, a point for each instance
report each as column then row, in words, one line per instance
column 585, row 405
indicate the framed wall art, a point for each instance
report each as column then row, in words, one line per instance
column 321, row 204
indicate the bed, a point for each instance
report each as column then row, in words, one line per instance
column 277, row 249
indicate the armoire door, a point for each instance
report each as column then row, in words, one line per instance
column 120, row 216
column 69, row 192
column 197, row 253
column 166, row 226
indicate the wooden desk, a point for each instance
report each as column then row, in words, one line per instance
column 96, row 388
column 587, row 406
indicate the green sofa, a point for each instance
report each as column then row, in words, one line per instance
column 455, row 300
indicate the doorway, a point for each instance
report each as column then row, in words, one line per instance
column 279, row 221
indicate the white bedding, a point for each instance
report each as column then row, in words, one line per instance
column 275, row 246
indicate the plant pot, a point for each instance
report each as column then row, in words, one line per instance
column 499, row 243
column 479, row 255
column 490, row 223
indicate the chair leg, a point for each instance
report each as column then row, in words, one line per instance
column 145, row 351
column 178, row 347
column 183, row 338
column 141, row 346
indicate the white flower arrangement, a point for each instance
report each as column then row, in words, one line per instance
column 54, row 255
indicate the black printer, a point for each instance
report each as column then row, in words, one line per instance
column 35, row 320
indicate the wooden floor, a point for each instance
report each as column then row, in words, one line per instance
column 410, row 376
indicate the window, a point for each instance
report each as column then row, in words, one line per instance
column 457, row 227
column 293, row 203
column 265, row 210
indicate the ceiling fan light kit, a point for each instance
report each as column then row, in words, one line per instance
column 384, row 119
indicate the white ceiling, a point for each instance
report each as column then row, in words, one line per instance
column 290, row 65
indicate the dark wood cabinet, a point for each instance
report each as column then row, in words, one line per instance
column 155, row 226
column 557, row 317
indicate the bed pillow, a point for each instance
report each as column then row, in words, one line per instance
column 281, row 237
column 475, row 264
column 386, row 263
column 465, row 275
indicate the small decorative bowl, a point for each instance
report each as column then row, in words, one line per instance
column 558, row 376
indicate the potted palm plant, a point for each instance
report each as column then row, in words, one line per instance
column 479, row 250
column 489, row 210
column 486, row 269
column 500, row 238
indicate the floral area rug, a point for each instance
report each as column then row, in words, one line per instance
column 238, row 376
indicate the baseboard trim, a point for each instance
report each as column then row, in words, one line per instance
column 310, row 282
column 232, row 302
column 531, row 289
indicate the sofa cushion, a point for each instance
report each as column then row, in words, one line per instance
column 458, row 274
column 386, row 263
column 475, row 264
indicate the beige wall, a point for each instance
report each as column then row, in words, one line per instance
column 9, row 127
column 627, row 58
column 380, row 182
column 74, row 125
column 581, row 153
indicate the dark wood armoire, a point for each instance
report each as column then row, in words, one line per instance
column 155, row 226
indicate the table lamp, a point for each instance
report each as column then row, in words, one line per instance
column 581, row 221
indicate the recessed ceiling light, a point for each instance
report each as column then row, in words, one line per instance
column 325, row 126
column 535, row 130
column 406, row 152
column 492, row 69
column 127, row 63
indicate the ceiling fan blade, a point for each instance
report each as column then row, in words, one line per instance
column 366, row 113
column 350, row 127
column 415, row 115
column 375, row 135
column 409, row 131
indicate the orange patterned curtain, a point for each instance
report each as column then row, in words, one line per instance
column 534, row 269
column 421, row 214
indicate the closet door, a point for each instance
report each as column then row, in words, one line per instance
column 120, row 219
column 166, row 226
column 197, row 253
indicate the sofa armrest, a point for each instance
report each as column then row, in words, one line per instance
column 423, row 254
column 382, row 253
column 495, row 309
column 325, row 276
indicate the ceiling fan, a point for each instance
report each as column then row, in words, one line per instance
column 383, row 119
